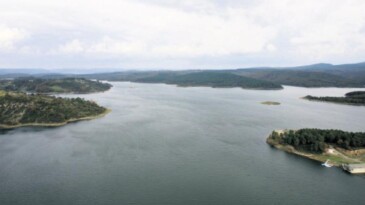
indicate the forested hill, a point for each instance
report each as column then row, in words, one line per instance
column 61, row 85
column 189, row 78
column 302, row 78
column 317, row 75
column 211, row 79
column 20, row 109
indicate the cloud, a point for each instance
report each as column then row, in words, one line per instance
column 271, row 47
column 72, row 47
column 199, row 33
column 9, row 37
column 171, row 32
column 112, row 46
column 317, row 30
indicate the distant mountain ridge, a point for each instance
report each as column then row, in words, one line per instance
column 5, row 71
column 317, row 66
column 315, row 75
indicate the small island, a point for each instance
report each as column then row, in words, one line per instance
column 20, row 109
column 62, row 85
column 336, row 147
column 270, row 103
column 351, row 98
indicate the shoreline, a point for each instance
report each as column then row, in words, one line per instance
column 107, row 111
column 291, row 150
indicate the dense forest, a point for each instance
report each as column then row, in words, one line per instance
column 302, row 78
column 317, row 140
column 20, row 108
column 211, row 79
column 353, row 98
column 189, row 78
column 316, row 75
column 63, row 85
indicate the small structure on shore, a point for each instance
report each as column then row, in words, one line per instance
column 354, row 168
column 326, row 164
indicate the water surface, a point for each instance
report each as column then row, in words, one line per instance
column 163, row 144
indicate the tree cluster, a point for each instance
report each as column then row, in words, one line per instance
column 317, row 140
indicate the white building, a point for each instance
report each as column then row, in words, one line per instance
column 354, row 168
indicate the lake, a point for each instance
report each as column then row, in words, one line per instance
column 163, row 144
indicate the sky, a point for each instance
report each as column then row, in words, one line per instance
column 177, row 34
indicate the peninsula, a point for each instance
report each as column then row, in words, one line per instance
column 20, row 109
column 50, row 85
column 336, row 146
column 351, row 98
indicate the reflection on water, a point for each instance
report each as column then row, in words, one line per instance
column 163, row 144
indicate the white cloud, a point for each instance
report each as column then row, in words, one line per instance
column 111, row 46
column 171, row 32
column 317, row 29
column 150, row 31
column 271, row 47
column 72, row 47
column 9, row 37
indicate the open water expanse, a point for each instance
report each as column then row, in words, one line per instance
column 166, row 145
